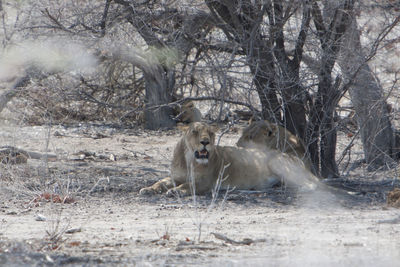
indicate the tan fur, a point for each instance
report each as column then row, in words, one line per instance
column 267, row 135
column 393, row 198
column 188, row 113
column 246, row 168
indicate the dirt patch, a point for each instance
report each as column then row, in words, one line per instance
column 102, row 169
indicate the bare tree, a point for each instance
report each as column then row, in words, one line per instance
column 163, row 27
column 328, row 95
column 367, row 95
column 261, row 29
column 166, row 32
column 275, row 50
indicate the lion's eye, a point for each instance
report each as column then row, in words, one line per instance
column 195, row 132
column 268, row 133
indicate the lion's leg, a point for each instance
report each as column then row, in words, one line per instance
column 159, row 187
column 185, row 189
column 181, row 190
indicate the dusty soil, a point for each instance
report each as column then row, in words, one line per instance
column 99, row 171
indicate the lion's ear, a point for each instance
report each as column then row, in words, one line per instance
column 182, row 127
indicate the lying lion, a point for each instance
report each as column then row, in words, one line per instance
column 197, row 163
column 188, row 113
column 267, row 135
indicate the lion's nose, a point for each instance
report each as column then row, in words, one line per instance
column 204, row 142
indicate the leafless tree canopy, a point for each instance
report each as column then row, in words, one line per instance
column 293, row 62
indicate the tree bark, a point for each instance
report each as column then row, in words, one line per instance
column 159, row 88
column 367, row 96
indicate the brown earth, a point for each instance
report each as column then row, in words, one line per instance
column 98, row 173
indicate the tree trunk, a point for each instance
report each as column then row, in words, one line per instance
column 328, row 135
column 263, row 81
column 367, row 97
column 159, row 88
column 294, row 109
column 322, row 129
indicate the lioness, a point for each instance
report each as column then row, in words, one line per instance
column 267, row 135
column 197, row 163
column 188, row 113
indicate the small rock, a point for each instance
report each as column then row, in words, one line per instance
column 11, row 213
column 57, row 133
column 49, row 259
column 40, row 218
column 73, row 230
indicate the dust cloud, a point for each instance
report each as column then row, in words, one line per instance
column 54, row 55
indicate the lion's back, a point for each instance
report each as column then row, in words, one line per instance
column 247, row 168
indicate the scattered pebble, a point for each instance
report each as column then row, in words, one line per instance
column 40, row 218
column 73, row 230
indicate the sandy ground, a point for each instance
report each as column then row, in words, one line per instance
column 100, row 170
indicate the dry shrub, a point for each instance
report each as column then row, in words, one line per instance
column 117, row 97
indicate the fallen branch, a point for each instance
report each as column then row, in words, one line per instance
column 197, row 247
column 245, row 241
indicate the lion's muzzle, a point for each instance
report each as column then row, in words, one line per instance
column 202, row 156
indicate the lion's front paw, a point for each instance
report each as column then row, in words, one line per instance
column 177, row 192
column 147, row 191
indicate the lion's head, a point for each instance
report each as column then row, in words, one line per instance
column 188, row 112
column 200, row 141
column 270, row 135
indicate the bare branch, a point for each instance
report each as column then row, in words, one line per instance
column 318, row 21
column 301, row 39
column 104, row 17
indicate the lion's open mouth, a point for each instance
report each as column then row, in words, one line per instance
column 202, row 154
